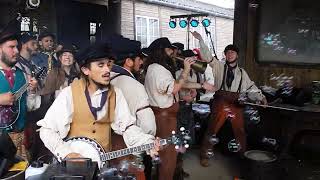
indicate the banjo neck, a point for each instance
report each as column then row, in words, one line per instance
column 127, row 151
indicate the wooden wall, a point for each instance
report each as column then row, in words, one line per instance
column 244, row 36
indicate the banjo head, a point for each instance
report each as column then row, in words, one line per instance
column 88, row 148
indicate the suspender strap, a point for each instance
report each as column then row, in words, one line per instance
column 224, row 76
column 239, row 88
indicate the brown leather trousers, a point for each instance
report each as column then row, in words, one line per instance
column 166, row 120
column 225, row 104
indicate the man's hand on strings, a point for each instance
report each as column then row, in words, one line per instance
column 154, row 152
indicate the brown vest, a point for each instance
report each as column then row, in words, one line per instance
column 83, row 122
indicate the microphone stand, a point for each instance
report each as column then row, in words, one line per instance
column 209, row 35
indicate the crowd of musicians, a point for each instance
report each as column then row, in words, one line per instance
column 118, row 88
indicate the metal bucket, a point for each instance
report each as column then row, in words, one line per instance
column 261, row 165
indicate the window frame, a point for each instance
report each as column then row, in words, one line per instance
column 148, row 28
column 26, row 25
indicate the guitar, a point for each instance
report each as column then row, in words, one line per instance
column 89, row 148
column 10, row 114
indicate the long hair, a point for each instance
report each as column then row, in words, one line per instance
column 160, row 57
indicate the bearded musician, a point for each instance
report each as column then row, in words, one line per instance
column 231, row 80
column 46, row 57
column 162, row 88
column 12, row 79
column 91, row 107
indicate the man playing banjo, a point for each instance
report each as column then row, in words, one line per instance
column 91, row 107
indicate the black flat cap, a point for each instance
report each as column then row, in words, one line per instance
column 94, row 53
column 231, row 47
column 145, row 52
column 188, row 53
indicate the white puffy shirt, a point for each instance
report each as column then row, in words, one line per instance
column 56, row 124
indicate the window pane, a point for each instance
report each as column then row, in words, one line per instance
column 141, row 30
column 25, row 24
column 147, row 30
column 144, row 42
column 153, row 29
column 93, row 28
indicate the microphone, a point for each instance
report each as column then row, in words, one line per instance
column 209, row 35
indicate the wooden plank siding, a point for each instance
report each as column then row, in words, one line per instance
column 245, row 31
column 127, row 26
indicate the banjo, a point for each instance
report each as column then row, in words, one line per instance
column 10, row 114
column 89, row 148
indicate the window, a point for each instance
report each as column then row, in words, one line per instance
column 93, row 30
column 25, row 24
column 147, row 30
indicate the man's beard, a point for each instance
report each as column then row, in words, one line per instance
column 169, row 61
column 5, row 59
column 228, row 63
column 99, row 85
column 31, row 52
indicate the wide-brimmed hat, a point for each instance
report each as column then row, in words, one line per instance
column 94, row 53
column 122, row 47
column 160, row 43
column 10, row 31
